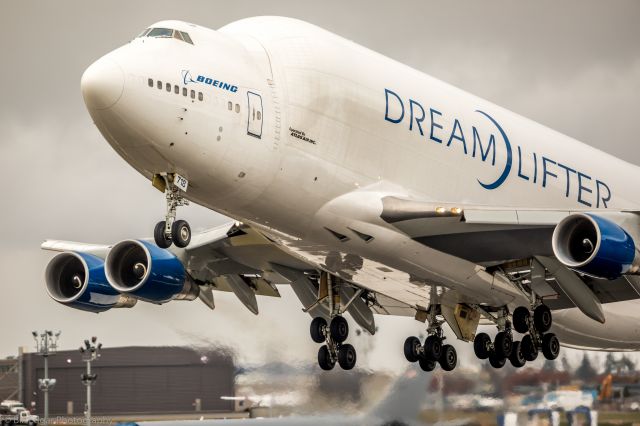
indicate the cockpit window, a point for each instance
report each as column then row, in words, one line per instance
column 186, row 37
column 160, row 32
column 166, row 33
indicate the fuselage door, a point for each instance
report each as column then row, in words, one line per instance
column 254, row 125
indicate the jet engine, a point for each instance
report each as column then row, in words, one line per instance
column 78, row 280
column 149, row 273
column 595, row 246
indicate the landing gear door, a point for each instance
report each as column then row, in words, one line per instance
column 254, row 124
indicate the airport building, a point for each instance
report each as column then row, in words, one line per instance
column 131, row 380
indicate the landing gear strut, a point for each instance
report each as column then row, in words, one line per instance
column 335, row 333
column 171, row 230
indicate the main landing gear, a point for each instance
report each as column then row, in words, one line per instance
column 433, row 351
column 536, row 339
column 171, row 230
column 335, row 333
column 334, row 350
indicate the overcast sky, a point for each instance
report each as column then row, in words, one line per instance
column 571, row 65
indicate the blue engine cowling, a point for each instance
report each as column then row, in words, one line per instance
column 78, row 280
column 147, row 272
column 594, row 245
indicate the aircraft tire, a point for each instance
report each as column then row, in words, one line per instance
column 542, row 318
column 480, row 344
column 411, row 346
column 427, row 364
column 433, row 348
column 339, row 329
column 529, row 350
column 517, row 356
column 181, row 233
column 448, row 358
column 158, row 235
column 347, row 357
column 521, row 318
column 550, row 346
column 503, row 344
column 324, row 358
column 317, row 325
column 497, row 361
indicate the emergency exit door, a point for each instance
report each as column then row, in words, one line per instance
column 254, row 124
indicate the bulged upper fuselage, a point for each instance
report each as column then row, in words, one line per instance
column 288, row 127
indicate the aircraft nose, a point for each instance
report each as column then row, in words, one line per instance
column 102, row 84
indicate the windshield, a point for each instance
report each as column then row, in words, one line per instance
column 160, row 32
column 166, row 33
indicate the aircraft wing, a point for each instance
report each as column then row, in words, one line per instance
column 235, row 257
column 514, row 241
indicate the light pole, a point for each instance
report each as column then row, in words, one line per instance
column 46, row 344
column 90, row 352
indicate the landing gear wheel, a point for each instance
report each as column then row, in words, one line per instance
column 497, row 361
column 324, row 358
column 517, row 356
column 448, row 358
column 347, row 357
column 339, row 329
column 542, row 318
column 550, row 346
column 159, row 237
column 528, row 348
column 503, row 344
column 411, row 347
column 521, row 318
column 181, row 233
column 427, row 364
column 433, row 348
column 317, row 325
column 481, row 344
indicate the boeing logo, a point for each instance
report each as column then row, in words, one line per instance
column 532, row 167
column 187, row 78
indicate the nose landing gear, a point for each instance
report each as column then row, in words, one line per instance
column 171, row 230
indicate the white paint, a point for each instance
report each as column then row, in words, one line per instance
column 322, row 155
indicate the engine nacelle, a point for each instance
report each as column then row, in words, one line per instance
column 595, row 246
column 149, row 273
column 78, row 280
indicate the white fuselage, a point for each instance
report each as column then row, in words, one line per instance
column 298, row 129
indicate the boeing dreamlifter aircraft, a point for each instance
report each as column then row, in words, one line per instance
column 367, row 186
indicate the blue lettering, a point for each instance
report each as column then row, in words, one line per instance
column 234, row 89
column 546, row 172
column 520, row 165
column 208, row 80
column 456, row 125
column 227, row 86
column 434, row 125
column 215, row 83
column 200, row 78
column 569, row 170
column 535, row 168
column 388, row 92
column 491, row 145
column 507, row 145
column 580, row 188
column 599, row 194
column 418, row 120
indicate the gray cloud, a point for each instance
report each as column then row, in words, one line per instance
column 572, row 65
